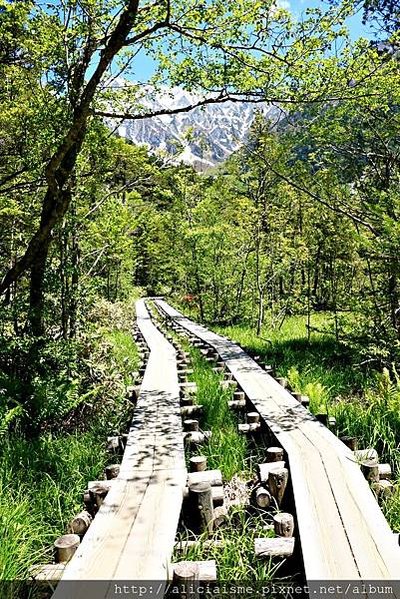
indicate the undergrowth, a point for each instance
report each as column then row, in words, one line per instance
column 45, row 468
column 226, row 449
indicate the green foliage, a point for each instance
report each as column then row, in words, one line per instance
column 235, row 558
column 226, row 450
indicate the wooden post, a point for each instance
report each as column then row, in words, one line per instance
column 263, row 497
column 274, row 454
column 265, row 469
column 219, row 516
column 238, row 405
column 277, row 482
column 283, row 524
column 239, row 396
column 252, row 417
column 65, row 547
column 201, row 504
column 198, row 463
column 190, row 425
column 350, row 442
column 305, row 401
column 279, row 547
column 370, row 469
column 98, row 493
column 112, row 471
column 322, row 418
column 297, row 396
column 331, row 422
column 191, row 410
column 185, row 574
column 80, row 523
column 385, row 471
column 282, row 381
column 214, row 477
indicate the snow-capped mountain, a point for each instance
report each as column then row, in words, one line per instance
column 202, row 137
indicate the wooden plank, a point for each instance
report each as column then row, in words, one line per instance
column 345, row 535
column 132, row 536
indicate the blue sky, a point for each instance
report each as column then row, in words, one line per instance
column 145, row 66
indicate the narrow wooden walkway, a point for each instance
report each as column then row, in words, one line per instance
column 133, row 534
column 343, row 533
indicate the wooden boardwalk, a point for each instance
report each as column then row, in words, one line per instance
column 343, row 533
column 132, row 536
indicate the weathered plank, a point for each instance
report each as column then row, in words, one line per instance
column 132, row 536
column 343, row 531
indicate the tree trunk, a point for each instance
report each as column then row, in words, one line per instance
column 36, row 295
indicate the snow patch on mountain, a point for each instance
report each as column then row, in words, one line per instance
column 203, row 137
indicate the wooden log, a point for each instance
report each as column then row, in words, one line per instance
column 185, row 371
column 262, row 497
column 283, row 382
column 274, row 454
column 383, row 489
column 80, row 523
column 184, row 575
column 220, row 516
column 213, row 477
column 191, row 410
column 201, row 506
column 190, row 425
column 50, row 573
column 217, row 494
column 198, row 463
column 252, row 417
column 188, row 388
column 305, row 401
column 283, row 524
column 263, row 470
column 279, row 547
column 277, row 483
column 350, row 442
column 249, row 428
column 370, row 470
column 132, row 392
column 112, row 471
column 194, row 438
column 385, row 471
column 207, row 571
column 237, row 405
column 114, row 444
column 187, row 400
column 322, row 418
column 65, row 547
column 98, row 492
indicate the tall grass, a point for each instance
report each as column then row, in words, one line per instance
column 235, row 556
column 226, row 449
column 43, row 476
